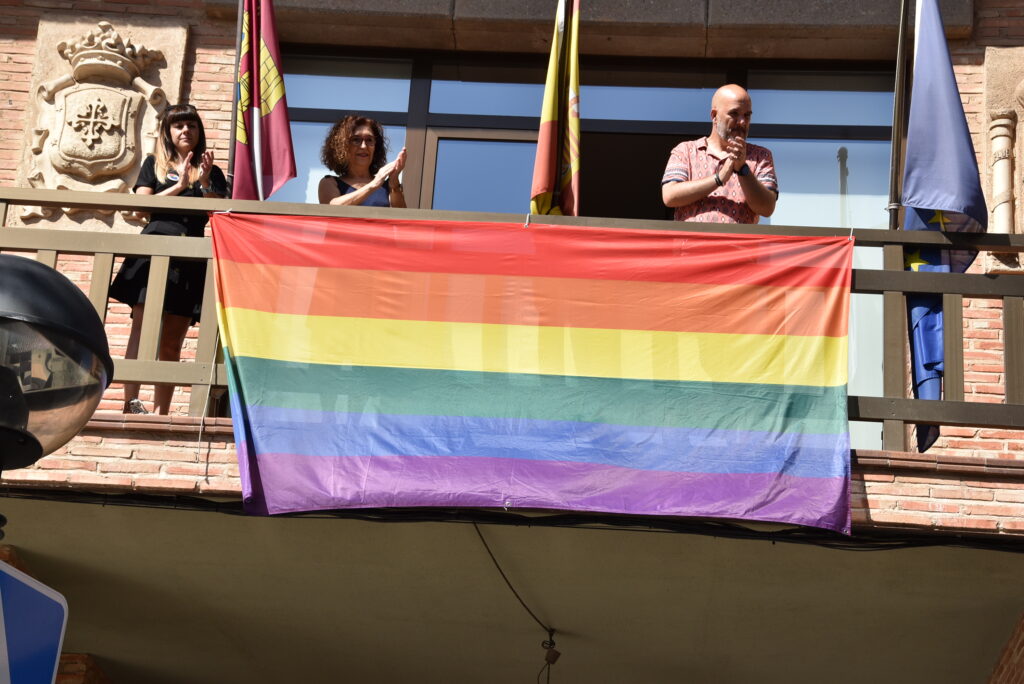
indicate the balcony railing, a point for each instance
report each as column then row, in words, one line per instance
column 893, row 409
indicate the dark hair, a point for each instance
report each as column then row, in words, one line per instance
column 165, row 150
column 334, row 154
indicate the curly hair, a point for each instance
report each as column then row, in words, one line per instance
column 334, row 154
column 165, row 150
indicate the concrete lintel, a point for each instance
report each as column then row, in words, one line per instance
column 786, row 29
column 608, row 27
column 798, row 29
column 398, row 24
column 735, row 43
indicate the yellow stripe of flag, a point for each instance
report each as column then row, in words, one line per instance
column 590, row 352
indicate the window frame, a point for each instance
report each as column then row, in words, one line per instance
column 424, row 128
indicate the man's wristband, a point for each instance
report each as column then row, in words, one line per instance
column 744, row 171
column 718, row 181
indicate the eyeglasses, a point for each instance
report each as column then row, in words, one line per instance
column 358, row 140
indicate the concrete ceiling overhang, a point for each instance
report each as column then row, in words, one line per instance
column 171, row 596
column 721, row 29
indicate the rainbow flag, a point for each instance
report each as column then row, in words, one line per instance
column 378, row 363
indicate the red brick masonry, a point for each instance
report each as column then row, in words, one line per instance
column 1010, row 669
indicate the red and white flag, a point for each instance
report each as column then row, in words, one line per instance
column 263, row 158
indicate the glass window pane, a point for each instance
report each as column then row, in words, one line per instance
column 866, row 344
column 645, row 104
column 811, row 193
column 822, row 107
column 484, row 175
column 307, row 139
column 596, row 101
column 475, row 97
column 798, row 97
column 348, row 85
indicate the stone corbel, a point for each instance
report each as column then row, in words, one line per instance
column 47, row 90
column 158, row 101
column 1002, row 132
column 154, row 94
column 36, row 212
column 39, row 136
column 1018, row 97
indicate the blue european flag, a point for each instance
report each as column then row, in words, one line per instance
column 941, row 191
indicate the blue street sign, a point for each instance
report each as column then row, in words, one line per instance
column 32, row 621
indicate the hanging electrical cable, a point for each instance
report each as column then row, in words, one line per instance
column 551, row 655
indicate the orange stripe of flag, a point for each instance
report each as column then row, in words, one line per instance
column 532, row 300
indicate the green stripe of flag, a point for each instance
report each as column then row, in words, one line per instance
column 377, row 390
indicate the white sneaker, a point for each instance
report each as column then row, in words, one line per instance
column 136, row 406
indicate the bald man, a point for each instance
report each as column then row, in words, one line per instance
column 721, row 178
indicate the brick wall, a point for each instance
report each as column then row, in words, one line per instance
column 150, row 454
column 928, row 499
column 9, row 555
column 1010, row 668
column 80, row 668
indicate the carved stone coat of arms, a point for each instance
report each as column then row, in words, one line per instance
column 89, row 133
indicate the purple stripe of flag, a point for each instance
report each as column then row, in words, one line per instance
column 315, row 483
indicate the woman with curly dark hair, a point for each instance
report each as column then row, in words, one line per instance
column 356, row 151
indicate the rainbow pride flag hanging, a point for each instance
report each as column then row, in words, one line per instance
column 379, row 363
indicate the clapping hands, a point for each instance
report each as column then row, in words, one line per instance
column 390, row 171
column 736, row 149
column 205, row 166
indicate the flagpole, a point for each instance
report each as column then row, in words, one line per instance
column 234, row 99
column 842, row 154
column 894, row 360
column 898, row 117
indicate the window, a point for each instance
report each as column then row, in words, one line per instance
column 483, row 175
column 497, row 99
column 832, row 98
column 828, row 130
column 348, row 84
column 841, row 183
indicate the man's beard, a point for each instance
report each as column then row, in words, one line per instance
column 727, row 134
column 723, row 131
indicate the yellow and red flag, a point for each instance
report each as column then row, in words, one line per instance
column 556, row 169
column 263, row 159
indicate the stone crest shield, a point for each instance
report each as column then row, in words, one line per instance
column 94, row 138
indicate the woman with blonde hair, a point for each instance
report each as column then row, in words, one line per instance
column 182, row 166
